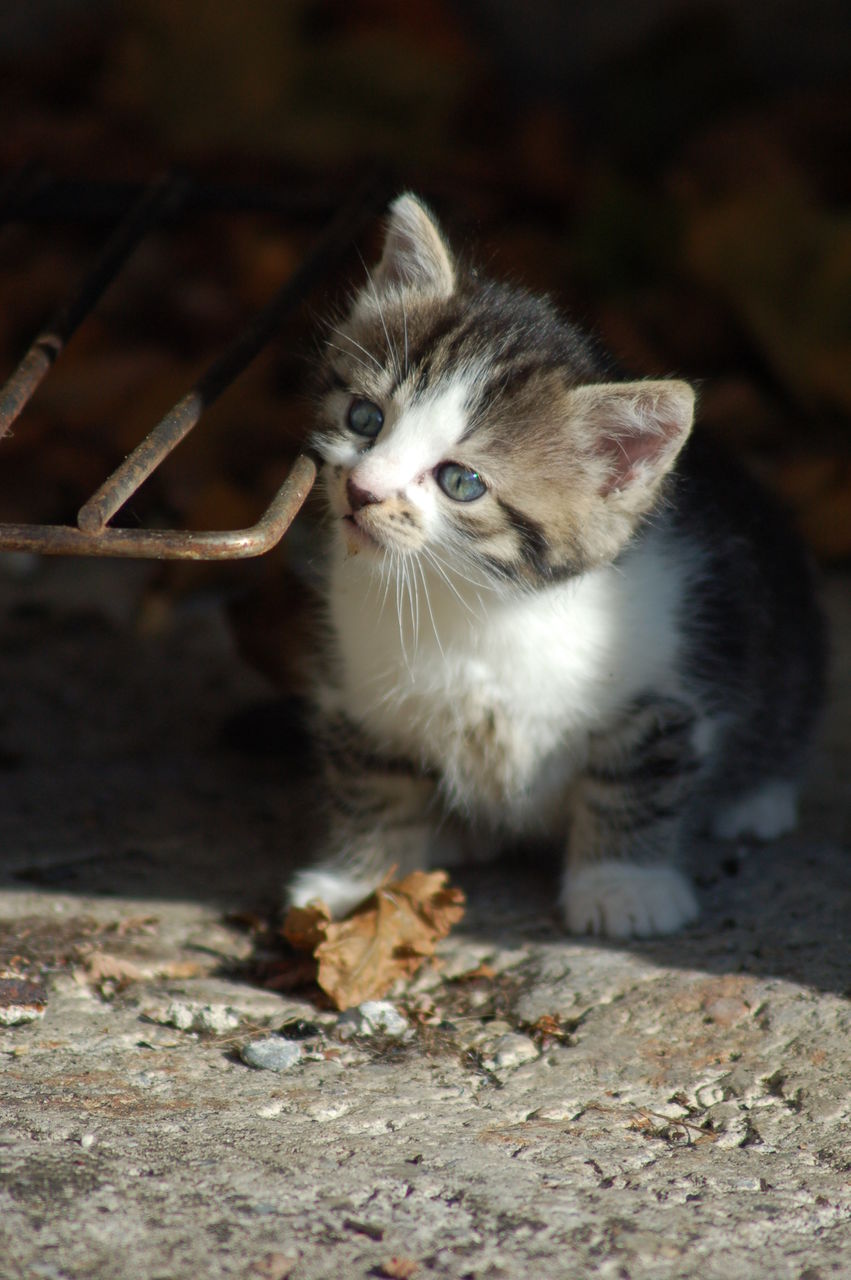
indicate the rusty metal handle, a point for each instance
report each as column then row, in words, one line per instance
column 94, row 535
column 169, row 544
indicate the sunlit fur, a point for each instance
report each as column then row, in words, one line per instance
column 554, row 657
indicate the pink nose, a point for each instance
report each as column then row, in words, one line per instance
column 359, row 497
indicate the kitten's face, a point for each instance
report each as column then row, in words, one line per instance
column 463, row 422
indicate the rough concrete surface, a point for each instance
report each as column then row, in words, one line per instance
column 556, row 1108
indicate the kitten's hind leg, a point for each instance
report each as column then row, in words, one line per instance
column 765, row 813
column 629, row 811
column 377, row 816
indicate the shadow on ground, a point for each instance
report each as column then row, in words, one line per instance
column 125, row 774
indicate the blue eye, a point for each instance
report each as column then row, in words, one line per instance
column 365, row 418
column 460, row 483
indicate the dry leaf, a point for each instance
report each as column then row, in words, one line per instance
column 387, row 937
column 289, row 973
column 547, row 1029
column 482, row 970
column 304, row 927
column 399, row 1268
column 272, row 1266
column 102, row 967
column 133, row 924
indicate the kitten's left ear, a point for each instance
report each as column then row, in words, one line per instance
column 633, row 432
column 415, row 254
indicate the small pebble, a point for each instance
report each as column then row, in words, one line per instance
column 371, row 1018
column 511, row 1050
column 187, row 1016
column 271, row 1054
column 20, row 1001
column 270, row 1110
column 711, row 1093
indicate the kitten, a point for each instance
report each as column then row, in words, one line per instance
column 548, row 614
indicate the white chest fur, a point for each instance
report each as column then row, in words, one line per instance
column 499, row 693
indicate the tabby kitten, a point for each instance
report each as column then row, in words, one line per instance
column 546, row 615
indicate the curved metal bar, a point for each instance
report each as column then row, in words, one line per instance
column 162, row 544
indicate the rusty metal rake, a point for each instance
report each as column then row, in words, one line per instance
column 93, row 535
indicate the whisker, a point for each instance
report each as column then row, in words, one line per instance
column 405, row 323
column 391, row 350
column 347, row 337
column 493, row 586
column 447, row 570
column 350, row 355
column 386, row 569
column 399, row 613
column 415, row 599
column 431, row 615
column 406, row 595
column 441, row 572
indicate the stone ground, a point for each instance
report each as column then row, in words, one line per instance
column 674, row 1108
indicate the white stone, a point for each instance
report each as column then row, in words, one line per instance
column 270, row 1110
column 188, row 1015
column 271, row 1054
column 15, row 1015
column 371, row 1018
column 510, row 1051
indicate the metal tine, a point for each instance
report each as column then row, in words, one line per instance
column 164, row 544
column 331, row 247
column 161, row 195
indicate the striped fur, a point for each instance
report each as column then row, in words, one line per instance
column 554, row 655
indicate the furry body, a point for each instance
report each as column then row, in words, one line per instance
column 611, row 641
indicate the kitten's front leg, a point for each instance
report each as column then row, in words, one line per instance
column 378, row 814
column 629, row 810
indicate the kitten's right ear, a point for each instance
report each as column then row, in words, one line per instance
column 415, row 254
column 633, row 432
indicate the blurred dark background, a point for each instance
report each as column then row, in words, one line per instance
column 675, row 172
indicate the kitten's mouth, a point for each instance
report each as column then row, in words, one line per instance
column 356, row 537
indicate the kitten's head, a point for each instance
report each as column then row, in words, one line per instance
column 465, row 420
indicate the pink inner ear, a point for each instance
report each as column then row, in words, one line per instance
column 637, row 432
column 625, row 452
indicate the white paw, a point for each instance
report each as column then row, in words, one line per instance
column 622, row 900
column 766, row 814
column 339, row 891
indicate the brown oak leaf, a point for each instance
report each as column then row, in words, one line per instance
column 386, row 937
